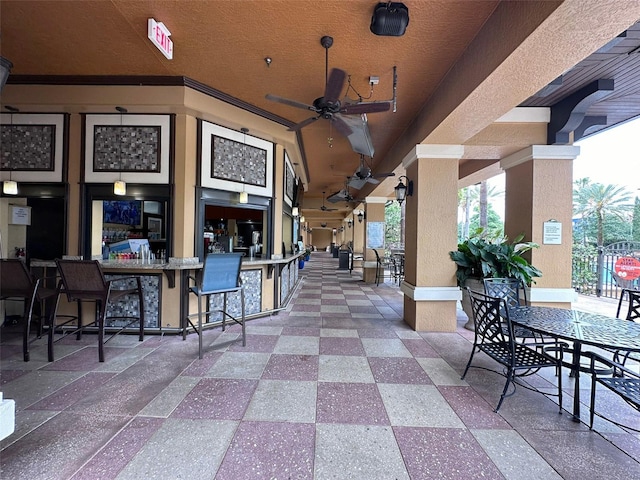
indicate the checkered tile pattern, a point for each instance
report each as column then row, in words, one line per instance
column 334, row 387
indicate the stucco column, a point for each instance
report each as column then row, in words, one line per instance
column 374, row 212
column 539, row 189
column 429, row 287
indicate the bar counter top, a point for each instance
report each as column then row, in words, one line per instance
column 174, row 263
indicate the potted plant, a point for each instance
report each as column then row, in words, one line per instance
column 307, row 254
column 486, row 255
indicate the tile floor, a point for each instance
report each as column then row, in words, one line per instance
column 335, row 387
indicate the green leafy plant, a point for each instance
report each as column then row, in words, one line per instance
column 486, row 255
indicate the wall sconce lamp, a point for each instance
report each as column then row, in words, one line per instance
column 302, row 219
column 244, row 196
column 361, row 216
column 402, row 190
column 120, row 186
column 10, row 187
column 295, row 211
column 349, row 223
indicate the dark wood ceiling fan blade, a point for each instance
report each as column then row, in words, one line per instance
column 341, row 125
column 384, row 175
column 286, row 101
column 359, row 108
column 334, row 85
column 304, row 123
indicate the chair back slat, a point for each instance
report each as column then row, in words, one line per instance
column 221, row 271
column 490, row 315
column 15, row 279
column 507, row 288
column 633, row 313
column 82, row 278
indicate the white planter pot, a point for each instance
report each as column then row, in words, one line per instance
column 477, row 286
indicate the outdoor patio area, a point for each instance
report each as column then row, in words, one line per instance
column 335, row 386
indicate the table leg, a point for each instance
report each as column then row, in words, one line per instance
column 576, row 379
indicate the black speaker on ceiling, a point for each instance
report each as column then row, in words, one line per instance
column 390, row 19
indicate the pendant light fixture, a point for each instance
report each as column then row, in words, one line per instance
column 120, row 186
column 10, row 187
column 244, row 196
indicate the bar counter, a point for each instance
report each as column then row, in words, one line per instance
column 268, row 286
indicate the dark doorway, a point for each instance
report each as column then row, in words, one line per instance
column 46, row 234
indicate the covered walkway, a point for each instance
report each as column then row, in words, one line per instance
column 337, row 386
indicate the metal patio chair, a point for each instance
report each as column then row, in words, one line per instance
column 219, row 276
column 384, row 268
column 627, row 386
column 490, row 316
column 514, row 293
column 633, row 315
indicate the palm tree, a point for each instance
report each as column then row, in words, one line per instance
column 480, row 198
column 600, row 201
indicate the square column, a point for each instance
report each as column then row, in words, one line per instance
column 539, row 189
column 431, row 218
column 374, row 212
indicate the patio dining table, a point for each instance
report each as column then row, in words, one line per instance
column 580, row 328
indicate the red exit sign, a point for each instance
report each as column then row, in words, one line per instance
column 159, row 36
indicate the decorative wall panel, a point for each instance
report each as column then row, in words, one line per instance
column 128, row 306
column 234, row 161
column 238, row 162
column 252, row 281
column 134, row 147
column 289, row 180
column 126, row 149
column 285, row 281
column 31, row 147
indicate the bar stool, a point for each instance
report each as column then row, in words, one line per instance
column 83, row 280
column 219, row 276
column 17, row 283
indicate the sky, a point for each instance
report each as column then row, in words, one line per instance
column 611, row 157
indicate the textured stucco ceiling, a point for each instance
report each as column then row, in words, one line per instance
column 449, row 50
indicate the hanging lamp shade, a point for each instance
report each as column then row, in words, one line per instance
column 243, row 198
column 10, row 187
column 119, row 187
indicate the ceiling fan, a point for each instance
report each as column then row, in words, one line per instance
column 323, row 208
column 343, row 195
column 364, row 175
column 329, row 106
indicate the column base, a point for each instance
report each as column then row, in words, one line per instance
column 430, row 316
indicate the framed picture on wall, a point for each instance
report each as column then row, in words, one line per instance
column 154, row 226
column 135, row 148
